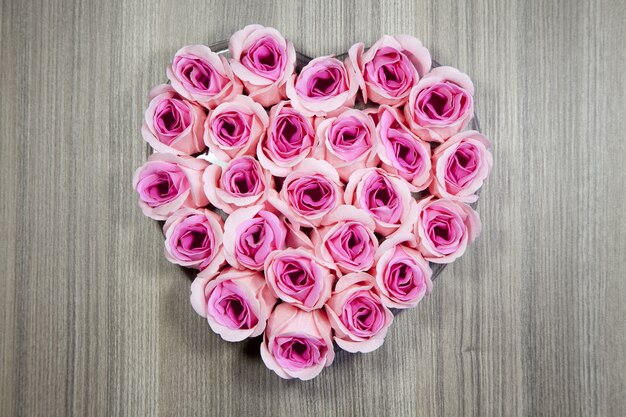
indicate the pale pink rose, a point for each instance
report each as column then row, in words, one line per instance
column 242, row 183
column 348, row 141
column 201, row 75
column 298, row 278
column 390, row 68
column 357, row 314
column 250, row 235
column 290, row 139
column 441, row 104
column 297, row 343
column 168, row 182
column 263, row 60
column 173, row 124
column 236, row 303
column 323, row 87
column 461, row 164
column 235, row 127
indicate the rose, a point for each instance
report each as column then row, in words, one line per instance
column 263, row 60
column 297, row 277
column 290, row 139
column 323, row 87
column 297, row 343
column 462, row 163
column 390, row 68
column 236, row 303
column 250, row 235
column 440, row 105
column 172, row 124
column 357, row 315
column 201, row 75
column 168, row 182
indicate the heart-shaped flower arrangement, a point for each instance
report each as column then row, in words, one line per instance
column 313, row 195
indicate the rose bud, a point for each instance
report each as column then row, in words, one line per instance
column 357, row 314
column 390, row 68
column 462, row 163
column 440, row 105
column 168, row 182
column 236, row 303
column 297, row 343
column 199, row 74
column 263, row 60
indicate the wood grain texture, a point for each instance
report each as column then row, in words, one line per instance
column 532, row 321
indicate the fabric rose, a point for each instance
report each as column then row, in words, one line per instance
column 201, row 75
column 462, row 164
column 234, row 128
column 263, row 60
column 323, row 87
column 168, row 182
column 390, row 68
column 357, row 314
column 440, row 105
column 250, row 235
column 297, row 343
column 172, row 124
column 290, row 139
column 298, row 278
column 236, row 303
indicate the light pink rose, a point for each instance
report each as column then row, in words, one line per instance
column 236, row 303
column 168, row 182
column 462, row 163
column 357, row 314
column 263, row 60
column 297, row 343
column 172, row 124
column 290, row 139
column 348, row 141
column 250, row 235
column 242, row 183
column 441, row 104
column 201, row 75
column 234, row 128
column 323, row 87
column 298, row 278
column 390, row 68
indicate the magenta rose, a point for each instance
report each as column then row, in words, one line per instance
column 390, row 68
column 168, row 182
column 462, row 164
column 263, row 60
column 357, row 314
column 236, row 303
column 297, row 343
column 199, row 74
column 440, row 105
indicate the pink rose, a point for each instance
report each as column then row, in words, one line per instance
column 234, row 128
column 323, row 87
column 462, row 163
column 168, row 182
column 298, row 278
column 172, row 124
column 264, row 61
column 440, row 105
column 236, row 303
column 201, row 75
column 357, row 314
column 297, row 343
column 290, row 139
column 390, row 68
column 250, row 235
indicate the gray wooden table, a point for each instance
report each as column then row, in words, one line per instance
column 95, row 321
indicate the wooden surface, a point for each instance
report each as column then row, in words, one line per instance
column 532, row 321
